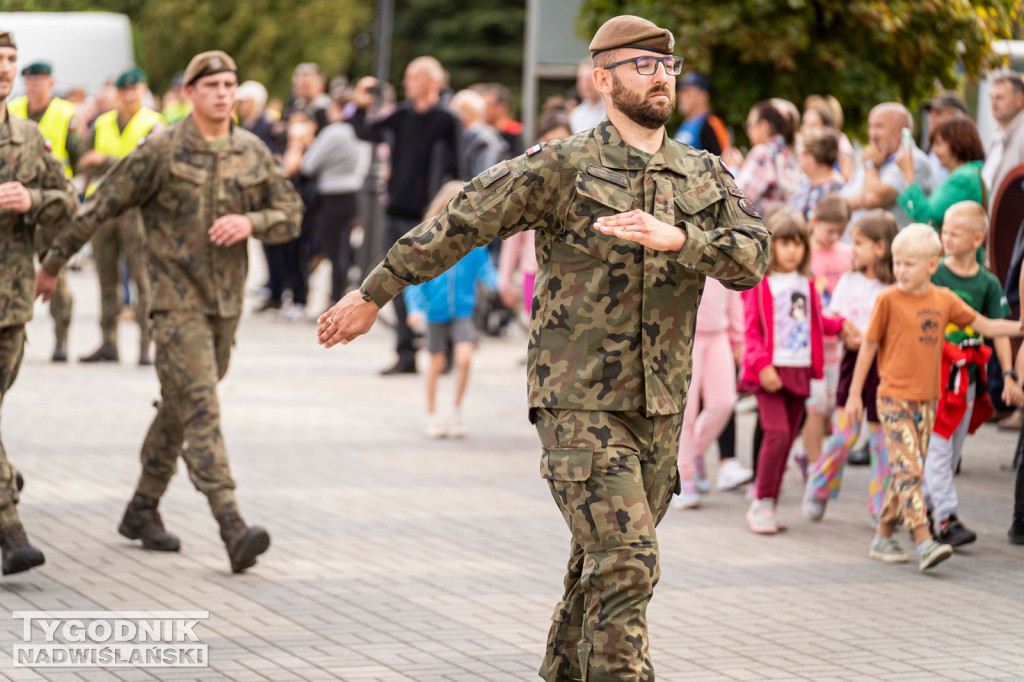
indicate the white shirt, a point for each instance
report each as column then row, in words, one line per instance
column 854, row 298
column 586, row 116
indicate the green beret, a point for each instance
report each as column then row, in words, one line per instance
column 130, row 78
column 7, row 39
column 207, row 64
column 37, row 69
column 630, row 31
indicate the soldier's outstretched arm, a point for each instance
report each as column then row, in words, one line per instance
column 737, row 250
column 130, row 182
column 513, row 196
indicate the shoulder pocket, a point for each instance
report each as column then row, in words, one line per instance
column 566, row 464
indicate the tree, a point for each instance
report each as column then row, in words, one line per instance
column 861, row 51
column 267, row 38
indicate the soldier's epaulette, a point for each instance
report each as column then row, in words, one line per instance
column 608, row 176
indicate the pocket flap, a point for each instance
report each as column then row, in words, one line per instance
column 604, row 192
column 566, row 464
column 694, row 203
column 189, row 173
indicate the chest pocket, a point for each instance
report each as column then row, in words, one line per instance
column 185, row 187
column 246, row 193
column 699, row 208
column 596, row 198
column 28, row 173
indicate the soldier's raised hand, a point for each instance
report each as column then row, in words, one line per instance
column 348, row 318
column 230, row 229
column 14, row 196
column 643, row 228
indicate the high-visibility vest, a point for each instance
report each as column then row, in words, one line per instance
column 112, row 142
column 53, row 125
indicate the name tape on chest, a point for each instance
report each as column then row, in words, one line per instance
column 608, row 176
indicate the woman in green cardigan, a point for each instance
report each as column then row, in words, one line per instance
column 958, row 147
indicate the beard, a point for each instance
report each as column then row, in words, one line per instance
column 639, row 109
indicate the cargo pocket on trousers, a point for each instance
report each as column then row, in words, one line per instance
column 566, row 464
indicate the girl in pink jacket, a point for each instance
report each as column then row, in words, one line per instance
column 783, row 350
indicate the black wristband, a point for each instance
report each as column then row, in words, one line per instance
column 1012, row 373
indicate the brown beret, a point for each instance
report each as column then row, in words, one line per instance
column 630, row 31
column 207, row 64
column 7, row 40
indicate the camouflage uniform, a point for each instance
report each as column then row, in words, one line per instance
column 125, row 235
column 611, row 334
column 182, row 185
column 25, row 158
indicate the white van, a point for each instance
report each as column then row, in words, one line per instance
column 85, row 49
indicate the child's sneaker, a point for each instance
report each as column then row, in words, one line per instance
column 732, row 474
column 888, row 551
column 761, row 517
column 701, row 476
column 814, row 507
column 458, row 427
column 954, row 533
column 435, row 429
column 932, row 554
column 685, row 500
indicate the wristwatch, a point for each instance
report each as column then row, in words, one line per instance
column 1012, row 373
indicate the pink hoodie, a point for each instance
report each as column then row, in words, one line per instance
column 759, row 341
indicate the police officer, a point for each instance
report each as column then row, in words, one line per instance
column 56, row 118
column 203, row 186
column 629, row 223
column 33, row 194
column 114, row 135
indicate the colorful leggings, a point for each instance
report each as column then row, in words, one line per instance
column 826, row 475
column 908, row 426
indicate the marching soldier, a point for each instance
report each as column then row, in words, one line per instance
column 115, row 134
column 204, row 186
column 56, row 120
column 33, row 194
column 629, row 224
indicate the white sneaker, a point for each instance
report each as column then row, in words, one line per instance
column 435, row 429
column 732, row 474
column 458, row 427
column 293, row 313
column 686, row 501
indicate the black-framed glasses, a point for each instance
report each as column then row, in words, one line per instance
column 647, row 65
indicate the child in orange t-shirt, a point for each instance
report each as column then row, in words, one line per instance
column 907, row 331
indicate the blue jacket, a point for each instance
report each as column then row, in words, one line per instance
column 452, row 294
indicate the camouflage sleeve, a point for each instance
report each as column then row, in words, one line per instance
column 47, row 230
column 513, row 196
column 737, row 250
column 131, row 182
column 281, row 220
column 53, row 200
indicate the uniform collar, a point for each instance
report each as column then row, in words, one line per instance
column 9, row 131
column 191, row 138
column 617, row 154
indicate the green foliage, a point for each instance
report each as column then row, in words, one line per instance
column 476, row 42
column 267, row 38
column 861, row 51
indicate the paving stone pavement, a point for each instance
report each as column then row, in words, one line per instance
column 396, row 558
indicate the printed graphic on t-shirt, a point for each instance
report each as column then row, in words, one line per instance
column 791, row 315
column 929, row 319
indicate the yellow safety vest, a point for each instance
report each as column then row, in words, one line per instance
column 53, row 125
column 110, row 141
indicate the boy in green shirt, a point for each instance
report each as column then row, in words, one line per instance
column 962, row 408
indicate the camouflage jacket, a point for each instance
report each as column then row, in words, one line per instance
column 24, row 157
column 182, row 186
column 612, row 324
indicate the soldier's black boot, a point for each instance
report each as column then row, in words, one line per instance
column 105, row 353
column 243, row 543
column 142, row 522
column 60, row 351
column 18, row 555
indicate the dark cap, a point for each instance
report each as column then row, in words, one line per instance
column 694, row 79
column 207, row 64
column 7, row 39
column 37, row 69
column 947, row 100
column 630, row 31
column 130, row 78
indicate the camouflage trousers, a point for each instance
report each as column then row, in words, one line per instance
column 907, row 425
column 12, row 348
column 122, row 236
column 61, row 304
column 192, row 355
column 612, row 475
